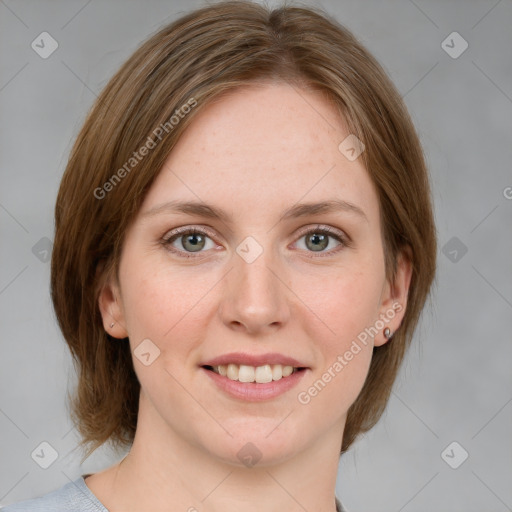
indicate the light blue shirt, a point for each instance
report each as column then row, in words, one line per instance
column 73, row 497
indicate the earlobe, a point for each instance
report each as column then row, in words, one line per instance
column 394, row 299
column 387, row 333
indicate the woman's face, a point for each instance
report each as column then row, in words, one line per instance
column 265, row 286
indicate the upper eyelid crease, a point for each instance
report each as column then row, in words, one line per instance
column 206, row 230
column 296, row 211
column 339, row 235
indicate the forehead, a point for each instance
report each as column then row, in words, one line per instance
column 266, row 147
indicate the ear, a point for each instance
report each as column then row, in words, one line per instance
column 111, row 307
column 394, row 296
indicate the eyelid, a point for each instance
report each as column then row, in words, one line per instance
column 340, row 236
column 326, row 229
column 167, row 239
column 186, row 229
column 344, row 240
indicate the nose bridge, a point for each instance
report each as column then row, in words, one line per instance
column 255, row 297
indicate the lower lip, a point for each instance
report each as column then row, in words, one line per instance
column 252, row 391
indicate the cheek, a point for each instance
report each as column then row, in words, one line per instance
column 341, row 306
column 341, row 312
column 168, row 308
column 163, row 304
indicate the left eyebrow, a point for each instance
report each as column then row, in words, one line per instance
column 298, row 210
column 332, row 205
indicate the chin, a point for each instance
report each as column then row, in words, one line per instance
column 257, row 442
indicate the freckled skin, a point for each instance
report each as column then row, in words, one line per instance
column 253, row 153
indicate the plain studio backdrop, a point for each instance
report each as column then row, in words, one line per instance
column 444, row 443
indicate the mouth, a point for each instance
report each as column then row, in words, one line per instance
column 254, row 378
column 254, row 374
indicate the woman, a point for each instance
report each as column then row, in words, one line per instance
column 244, row 244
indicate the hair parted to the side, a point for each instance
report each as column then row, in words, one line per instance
column 203, row 54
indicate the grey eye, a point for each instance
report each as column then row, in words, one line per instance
column 192, row 242
column 189, row 241
column 317, row 242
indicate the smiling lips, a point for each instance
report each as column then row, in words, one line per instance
column 260, row 369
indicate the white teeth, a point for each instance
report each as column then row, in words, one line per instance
column 259, row 374
column 232, row 372
column 246, row 373
column 287, row 370
column 277, row 371
column 263, row 374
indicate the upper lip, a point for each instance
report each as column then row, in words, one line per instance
column 254, row 360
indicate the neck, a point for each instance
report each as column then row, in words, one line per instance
column 162, row 470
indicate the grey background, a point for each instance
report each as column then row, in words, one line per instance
column 455, row 384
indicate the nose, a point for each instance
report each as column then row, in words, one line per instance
column 255, row 296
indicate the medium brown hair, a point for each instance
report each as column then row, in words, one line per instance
column 201, row 55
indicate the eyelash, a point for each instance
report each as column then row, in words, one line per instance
column 176, row 233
